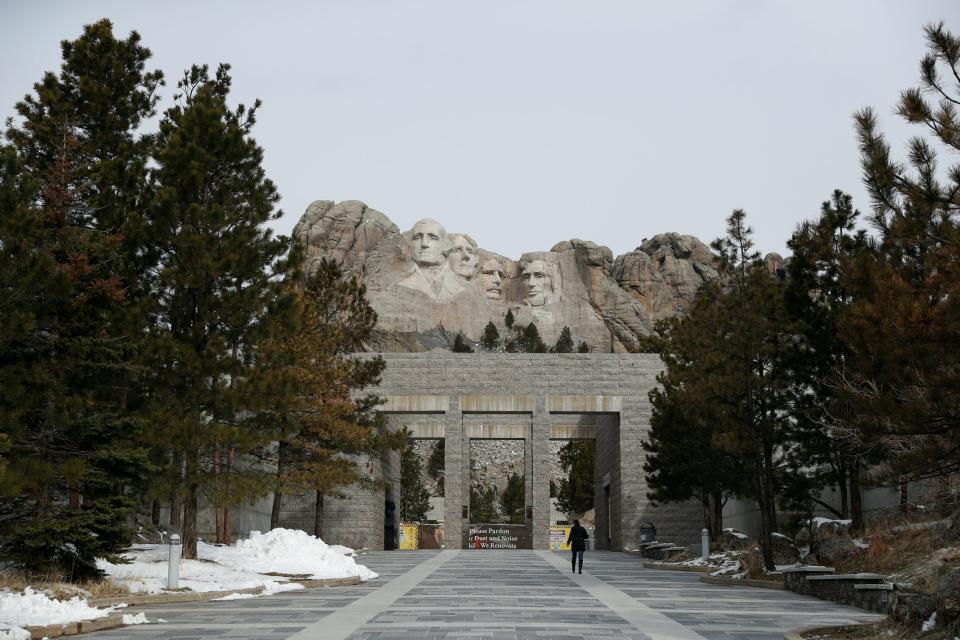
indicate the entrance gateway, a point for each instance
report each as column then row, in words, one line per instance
column 531, row 397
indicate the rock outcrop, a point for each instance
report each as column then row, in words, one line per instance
column 427, row 284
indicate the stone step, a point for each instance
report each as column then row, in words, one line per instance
column 849, row 576
column 880, row 586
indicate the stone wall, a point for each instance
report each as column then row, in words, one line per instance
column 533, row 396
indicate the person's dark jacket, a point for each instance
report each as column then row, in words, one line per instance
column 578, row 538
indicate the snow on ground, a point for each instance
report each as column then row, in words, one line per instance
column 140, row 618
column 13, row 633
column 716, row 560
column 33, row 608
column 239, row 566
column 243, row 565
column 288, row 551
column 821, row 520
column 737, row 534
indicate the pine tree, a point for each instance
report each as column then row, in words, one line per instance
column 757, row 341
column 529, row 341
column 414, row 497
column 564, row 342
column 513, row 499
column 575, row 493
column 816, row 295
column 683, row 461
column 73, row 182
column 583, row 348
column 508, row 319
column 460, row 345
column 217, row 280
column 313, row 381
column 436, row 465
column 903, row 377
column 483, row 504
column 728, row 376
column 490, row 341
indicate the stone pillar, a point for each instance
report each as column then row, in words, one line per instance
column 540, row 480
column 456, row 494
column 527, row 470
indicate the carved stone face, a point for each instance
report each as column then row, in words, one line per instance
column 463, row 256
column 428, row 243
column 491, row 277
column 539, row 285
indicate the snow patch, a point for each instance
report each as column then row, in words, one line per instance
column 819, row 520
column 930, row 624
column 737, row 534
column 140, row 618
column 13, row 633
column 237, row 596
column 37, row 609
column 243, row 565
column 289, row 551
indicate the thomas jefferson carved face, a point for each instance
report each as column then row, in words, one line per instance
column 537, row 280
column 463, row 255
column 428, row 243
column 491, row 277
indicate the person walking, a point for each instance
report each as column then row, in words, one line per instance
column 578, row 544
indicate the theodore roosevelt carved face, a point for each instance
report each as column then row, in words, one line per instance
column 463, row 255
column 491, row 278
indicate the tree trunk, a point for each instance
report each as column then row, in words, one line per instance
column 175, row 505
column 707, row 524
column 766, row 539
column 218, row 514
column 190, row 524
column 904, row 496
column 74, row 497
column 717, row 514
column 155, row 513
column 227, row 519
column 842, row 484
column 856, row 499
column 767, row 508
column 175, row 510
column 318, row 516
column 282, row 451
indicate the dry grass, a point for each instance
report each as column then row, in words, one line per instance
column 752, row 563
column 54, row 585
column 884, row 631
column 904, row 551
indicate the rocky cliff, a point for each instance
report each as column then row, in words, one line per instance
column 427, row 284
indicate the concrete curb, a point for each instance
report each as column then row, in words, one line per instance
column 667, row 566
column 798, row 634
column 112, row 621
column 172, row 598
column 736, row 582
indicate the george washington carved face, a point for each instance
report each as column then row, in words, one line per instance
column 428, row 243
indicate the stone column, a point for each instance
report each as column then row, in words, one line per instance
column 527, row 469
column 540, row 450
column 456, row 494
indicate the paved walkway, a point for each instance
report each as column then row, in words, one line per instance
column 499, row 595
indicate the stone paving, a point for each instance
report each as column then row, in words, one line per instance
column 499, row 595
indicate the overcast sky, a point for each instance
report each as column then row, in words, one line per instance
column 527, row 123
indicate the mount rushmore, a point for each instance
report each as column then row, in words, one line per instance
column 427, row 284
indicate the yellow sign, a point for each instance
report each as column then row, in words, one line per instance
column 558, row 538
column 408, row 536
